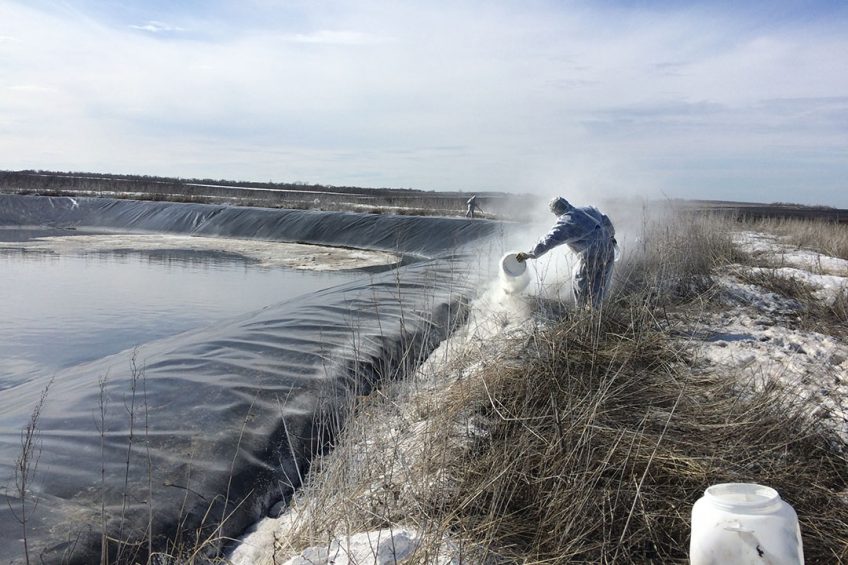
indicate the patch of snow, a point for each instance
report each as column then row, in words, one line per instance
column 733, row 293
column 828, row 287
column 755, row 334
column 781, row 253
column 380, row 547
column 259, row 544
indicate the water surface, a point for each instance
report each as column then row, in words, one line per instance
column 61, row 309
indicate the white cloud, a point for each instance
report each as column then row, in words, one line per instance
column 331, row 37
column 157, row 27
column 440, row 96
column 32, row 88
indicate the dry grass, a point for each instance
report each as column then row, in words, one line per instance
column 824, row 237
column 600, row 445
column 827, row 317
column 586, row 440
column 676, row 256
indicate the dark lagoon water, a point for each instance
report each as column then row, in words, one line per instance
column 58, row 310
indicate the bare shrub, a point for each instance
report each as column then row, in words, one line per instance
column 26, row 466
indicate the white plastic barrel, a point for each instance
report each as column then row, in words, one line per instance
column 514, row 275
column 744, row 523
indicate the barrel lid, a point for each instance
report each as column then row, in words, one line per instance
column 748, row 496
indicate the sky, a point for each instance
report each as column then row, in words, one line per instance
column 743, row 101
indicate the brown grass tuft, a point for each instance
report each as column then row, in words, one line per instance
column 600, row 445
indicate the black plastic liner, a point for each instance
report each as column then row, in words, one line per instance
column 415, row 235
column 190, row 439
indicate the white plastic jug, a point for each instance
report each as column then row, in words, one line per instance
column 744, row 523
column 514, row 273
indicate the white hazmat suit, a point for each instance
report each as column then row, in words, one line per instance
column 471, row 206
column 591, row 235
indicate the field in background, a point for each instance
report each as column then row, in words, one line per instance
column 296, row 195
column 305, row 196
column 760, row 211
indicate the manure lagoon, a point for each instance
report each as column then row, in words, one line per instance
column 69, row 299
column 247, row 366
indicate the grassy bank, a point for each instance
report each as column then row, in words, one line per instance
column 579, row 437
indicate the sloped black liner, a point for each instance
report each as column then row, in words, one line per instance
column 220, row 422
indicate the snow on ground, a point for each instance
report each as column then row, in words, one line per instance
column 381, row 546
column 759, row 332
column 752, row 330
column 772, row 247
column 264, row 253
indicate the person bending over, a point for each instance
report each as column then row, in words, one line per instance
column 591, row 235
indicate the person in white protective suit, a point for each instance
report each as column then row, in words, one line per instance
column 472, row 205
column 591, row 235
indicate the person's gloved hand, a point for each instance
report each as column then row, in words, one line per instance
column 521, row 257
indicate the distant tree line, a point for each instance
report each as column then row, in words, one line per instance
column 752, row 211
column 52, row 179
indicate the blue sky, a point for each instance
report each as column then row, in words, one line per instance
column 607, row 98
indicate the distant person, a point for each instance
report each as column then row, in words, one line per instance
column 472, row 205
column 591, row 235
